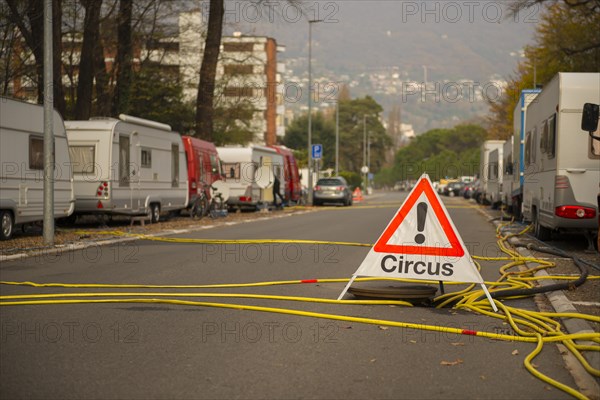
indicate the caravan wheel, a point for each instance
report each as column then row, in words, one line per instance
column 154, row 212
column 540, row 232
column 8, row 225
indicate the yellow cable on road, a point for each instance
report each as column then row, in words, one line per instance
column 529, row 326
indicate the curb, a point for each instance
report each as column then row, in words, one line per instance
column 105, row 242
column 561, row 304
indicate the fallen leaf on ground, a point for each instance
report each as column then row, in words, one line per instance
column 482, row 377
column 384, row 328
column 515, row 352
column 452, row 363
column 413, row 341
column 373, row 360
column 457, row 344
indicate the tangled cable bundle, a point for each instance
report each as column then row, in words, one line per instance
column 529, row 326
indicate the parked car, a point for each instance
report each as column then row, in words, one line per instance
column 453, row 188
column 332, row 190
column 468, row 190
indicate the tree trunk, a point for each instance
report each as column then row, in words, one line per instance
column 208, row 71
column 85, row 81
column 102, row 94
column 123, row 62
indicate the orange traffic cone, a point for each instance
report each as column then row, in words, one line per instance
column 357, row 195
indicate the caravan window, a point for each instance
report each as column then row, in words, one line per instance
column 175, row 165
column 83, row 159
column 544, row 138
column 551, row 142
column 214, row 164
column 146, row 158
column 533, row 148
column 232, row 170
column 528, row 148
column 36, row 153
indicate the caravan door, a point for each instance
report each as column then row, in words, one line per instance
column 127, row 199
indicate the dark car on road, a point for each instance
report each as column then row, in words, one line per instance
column 332, row 190
column 453, row 188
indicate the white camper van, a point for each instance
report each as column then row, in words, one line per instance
column 22, row 161
column 250, row 173
column 127, row 166
column 508, row 171
column 527, row 97
column 495, row 177
column 484, row 166
column 561, row 183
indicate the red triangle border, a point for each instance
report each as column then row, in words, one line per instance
column 455, row 249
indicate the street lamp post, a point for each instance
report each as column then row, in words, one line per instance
column 310, row 159
column 365, row 150
column 337, row 137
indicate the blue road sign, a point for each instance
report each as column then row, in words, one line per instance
column 317, row 151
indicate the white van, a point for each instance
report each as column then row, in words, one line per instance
column 495, row 177
column 508, row 171
column 561, row 183
column 22, row 165
column 484, row 166
column 250, row 174
column 127, row 166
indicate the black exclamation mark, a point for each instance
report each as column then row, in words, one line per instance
column 421, row 215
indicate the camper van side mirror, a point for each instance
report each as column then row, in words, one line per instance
column 589, row 119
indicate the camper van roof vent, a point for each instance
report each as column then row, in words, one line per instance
column 144, row 122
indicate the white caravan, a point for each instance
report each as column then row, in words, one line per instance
column 508, row 171
column 22, row 161
column 484, row 166
column 127, row 166
column 526, row 98
column 249, row 173
column 495, row 177
column 561, row 183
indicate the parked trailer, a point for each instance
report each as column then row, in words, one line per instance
column 560, row 183
column 484, row 167
column 293, row 187
column 203, row 166
column 495, row 176
column 249, row 172
column 127, row 166
column 507, row 174
column 527, row 97
column 22, row 160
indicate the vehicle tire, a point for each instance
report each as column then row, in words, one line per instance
column 154, row 213
column 539, row 231
column 7, row 225
column 316, row 203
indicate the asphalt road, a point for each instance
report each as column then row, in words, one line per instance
column 159, row 351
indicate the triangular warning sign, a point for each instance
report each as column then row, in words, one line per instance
column 404, row 235
column 420, row 242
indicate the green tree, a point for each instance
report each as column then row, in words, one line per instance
column 158, row 97
column 352, row 134
column 441, row 153
column 566, row 40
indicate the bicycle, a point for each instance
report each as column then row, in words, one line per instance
column 200, row 206
column 217, row 205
